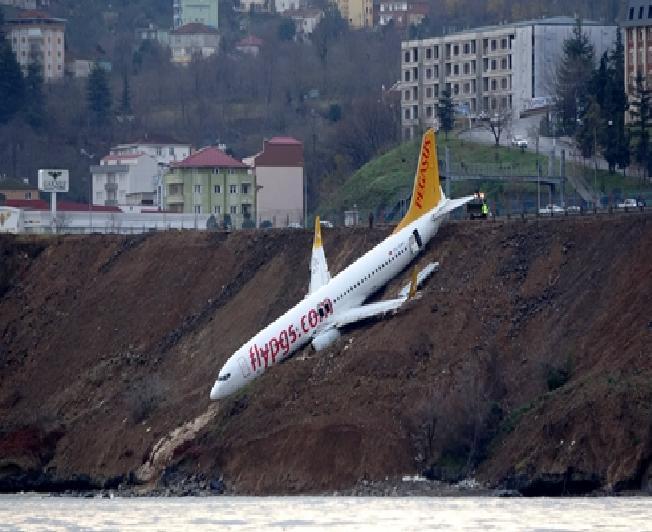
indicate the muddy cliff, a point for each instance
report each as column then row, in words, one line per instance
column 526, row 363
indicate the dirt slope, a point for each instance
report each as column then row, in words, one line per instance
column 528, row 360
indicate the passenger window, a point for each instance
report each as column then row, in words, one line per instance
column 223, row 378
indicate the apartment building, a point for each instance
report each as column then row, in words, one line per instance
column 637, row 27
column 124, row 179
column 357, row 13
column 279, row 182
column 204, row 12
column 26, row 4
column 402, row 13
column 487, row 70
column 36, row 37
column 193, row 40
column 211, row 182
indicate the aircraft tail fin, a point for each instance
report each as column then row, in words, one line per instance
column 319, row 274
column 427, row 192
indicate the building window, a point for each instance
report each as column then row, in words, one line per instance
column 503, row 64
column 28, row 195
column 435, row 50
column 493, row 44
column 428, row 73
column 233, row 209
column 197, row 209
column 456, row 50
column 428, row 53
column 456, row 70
column 231, row 171
column 428, row 92
column 244, row 188
column 503, row 44
column 429, row 112
column 503, row 83
column 233, row 189
column 159, row 150
column 217, row 209
column 494, row 85
column 406, row 58
column 406, row 77
column 407, row 114
column 406, row 96
column 640, row 12
column 197, row 189
column 217, row 189
column 170, row 150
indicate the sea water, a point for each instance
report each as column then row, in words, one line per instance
column 42, row 512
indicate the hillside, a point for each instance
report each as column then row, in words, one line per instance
column 526, row 362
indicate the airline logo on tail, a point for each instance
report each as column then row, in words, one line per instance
column 426, row 194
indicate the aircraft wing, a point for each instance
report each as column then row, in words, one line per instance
column 453, row 204
column 368, row 311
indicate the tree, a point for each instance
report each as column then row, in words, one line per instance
column 286, row 30
column 616, row 141
column 573, row 77
column 498, row 123
column 12, row 86
column 640, row 112
column 446, row 112
column 34, row 99
column 125, row 101
column 329, row 29
column 99, row 96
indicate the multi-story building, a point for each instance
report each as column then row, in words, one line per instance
column 637, row 25
column 202, row 11
column 305, row 21
column 17, row 190
column 279, row 182
column 124, row 179
column 26, row 4
column 211, row 182
column 193, row 40
column 487, row 70
column 38, row 38
column 357, row 13
column 281, row 6
column 164, row 151
column 402, row 13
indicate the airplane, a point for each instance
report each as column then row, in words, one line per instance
column 332, row 303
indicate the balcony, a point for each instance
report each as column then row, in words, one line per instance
column 174, row 199
column 174, row 179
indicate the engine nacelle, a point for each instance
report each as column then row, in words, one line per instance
column 325, row 339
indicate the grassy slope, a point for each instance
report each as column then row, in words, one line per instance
column 389, row 177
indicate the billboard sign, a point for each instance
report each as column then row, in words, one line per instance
column 53, row 180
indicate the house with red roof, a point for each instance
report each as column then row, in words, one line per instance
column 280, row 182
column 212, row 182
column 249, row 45
column 193, row 40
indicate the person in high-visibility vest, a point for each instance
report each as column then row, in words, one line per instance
column 485, row 210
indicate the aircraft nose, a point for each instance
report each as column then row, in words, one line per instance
column 215, row 391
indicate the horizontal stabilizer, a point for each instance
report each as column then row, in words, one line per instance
column 421, row 277
column 451, row 205
column 368, row 311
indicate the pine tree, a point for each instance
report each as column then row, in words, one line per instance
column 99, row 96
column 34, row 99
column 12, row 85
column 446, row 112
column 616, row 141
column 573, row 77
column 125, row 102
column 640, row 111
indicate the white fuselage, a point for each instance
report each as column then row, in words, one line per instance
column 317, row 311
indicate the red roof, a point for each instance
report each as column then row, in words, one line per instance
column 36, row 204
column 67, row 206
column 283, row 140
column 250, row 40
column 194, row 28
column 209, row 158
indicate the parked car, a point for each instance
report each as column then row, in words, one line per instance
column 519, row 142
column 629, row 203
column 326, row 224
column 294, row 225
column 573, row 209
column 551, row 210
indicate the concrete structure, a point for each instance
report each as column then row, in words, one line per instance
column 357, row 13
column 17, row 190
column 280, row 182
column 257, row 6
column 193, row 40
column 305, row 21
column 153, row 33
column 120, row 175
column 36, row 37
column 212, row 182
column 402, row 13
column 204, row 12
column 637, row 26
column 488, row 70
column 81, row 68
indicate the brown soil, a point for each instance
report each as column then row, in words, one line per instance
column 527, row 361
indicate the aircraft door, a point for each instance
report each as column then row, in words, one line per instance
column 244, row 367
column 415, row 242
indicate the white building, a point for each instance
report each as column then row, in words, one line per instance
column 189, row 11
column 487, row 70
column 132, row 174
column 26, row 4
column 36, row 37
column 305, row 21
column 193, row 40
column 281, row 6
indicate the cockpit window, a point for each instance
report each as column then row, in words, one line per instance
column 224, row 377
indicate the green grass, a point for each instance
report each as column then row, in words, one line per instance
column 389, row 177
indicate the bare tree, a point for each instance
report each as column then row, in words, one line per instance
column 498, row 123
